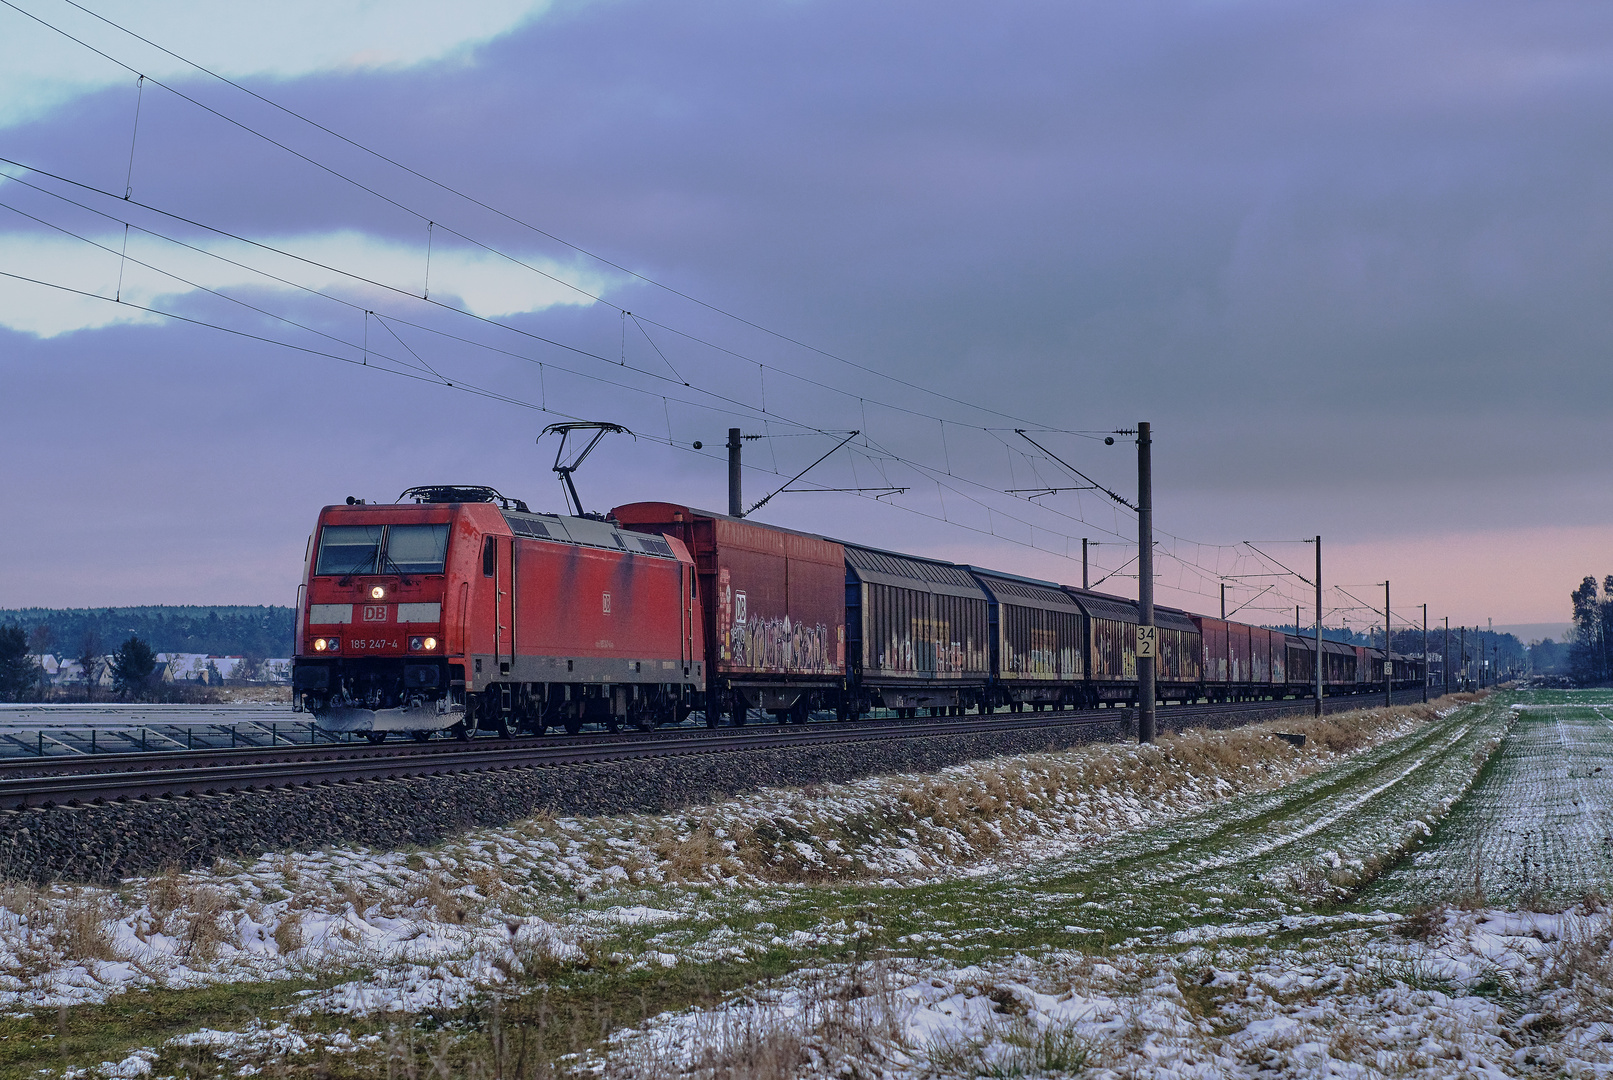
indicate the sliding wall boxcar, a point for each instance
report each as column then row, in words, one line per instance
column 1215, row 665
column 917, row 630
column 1339, row 663
column 1112, row 648
column 1278, row 668
column 1181, row 650
column 773, row 601
column 1037, row 639
column 1111, row 644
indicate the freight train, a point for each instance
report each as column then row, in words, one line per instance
column 457, row 609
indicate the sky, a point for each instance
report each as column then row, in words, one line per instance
column 1349, row 261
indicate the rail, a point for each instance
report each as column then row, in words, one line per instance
column 80, row 779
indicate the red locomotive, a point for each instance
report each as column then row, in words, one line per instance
column 462, row 609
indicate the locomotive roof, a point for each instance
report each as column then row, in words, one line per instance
column 586, row 532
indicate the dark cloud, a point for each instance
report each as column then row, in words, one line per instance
column 1350, row 259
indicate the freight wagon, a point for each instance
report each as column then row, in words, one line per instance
column 917, row 634
column 773, row 606
column 1037, row 635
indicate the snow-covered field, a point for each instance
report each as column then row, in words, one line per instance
column 1214, row 905
column 1480, row 993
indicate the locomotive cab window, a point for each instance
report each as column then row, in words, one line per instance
column 349, row 549
column 489, row 556
column 382, row 549
column 416, row 549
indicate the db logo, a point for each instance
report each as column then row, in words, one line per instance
column 375, row 612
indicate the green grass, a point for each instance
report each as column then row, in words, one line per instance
column 1537, row 828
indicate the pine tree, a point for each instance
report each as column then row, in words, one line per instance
column 132, row 665
column 17, row 670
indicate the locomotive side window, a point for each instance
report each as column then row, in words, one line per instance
column 416, row 549
column 348, row 549
column 489, row 556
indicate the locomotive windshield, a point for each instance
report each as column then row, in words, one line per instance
column 382, row 549
column 416, row 549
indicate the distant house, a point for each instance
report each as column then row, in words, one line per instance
column 48, row 666
column 71, row 673
column 188, row 667
column 162, row 673
column 100, row 674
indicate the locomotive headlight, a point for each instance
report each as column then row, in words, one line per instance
column 319, row 644
column 377, row 593
column 327, row 644
column 431, row 643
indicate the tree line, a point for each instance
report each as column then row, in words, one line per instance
column 1590, row 652
column 223, row 631
column 132, row 665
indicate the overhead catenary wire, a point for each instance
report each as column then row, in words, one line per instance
column 507, row 216
column 1033, row 527
column 424, row 217
column 398, row 290
column 729, row 401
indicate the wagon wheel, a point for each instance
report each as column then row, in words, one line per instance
column 375, row 737
column 420, row 736
column 712, row 717
column 462, row 731
column 573, row 725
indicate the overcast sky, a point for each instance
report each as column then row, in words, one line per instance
column 1350, row 260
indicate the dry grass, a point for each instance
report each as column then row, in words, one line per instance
column 973, row 812
column 46, row 927
column 845, row 1025
column 200, row 915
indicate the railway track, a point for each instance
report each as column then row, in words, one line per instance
column 110, row 777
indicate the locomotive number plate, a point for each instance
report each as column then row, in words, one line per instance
column 368, row 644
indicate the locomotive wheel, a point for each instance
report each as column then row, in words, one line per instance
column 502, row 727
column 712, row 716
column 375, row 737
column 740, row 716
